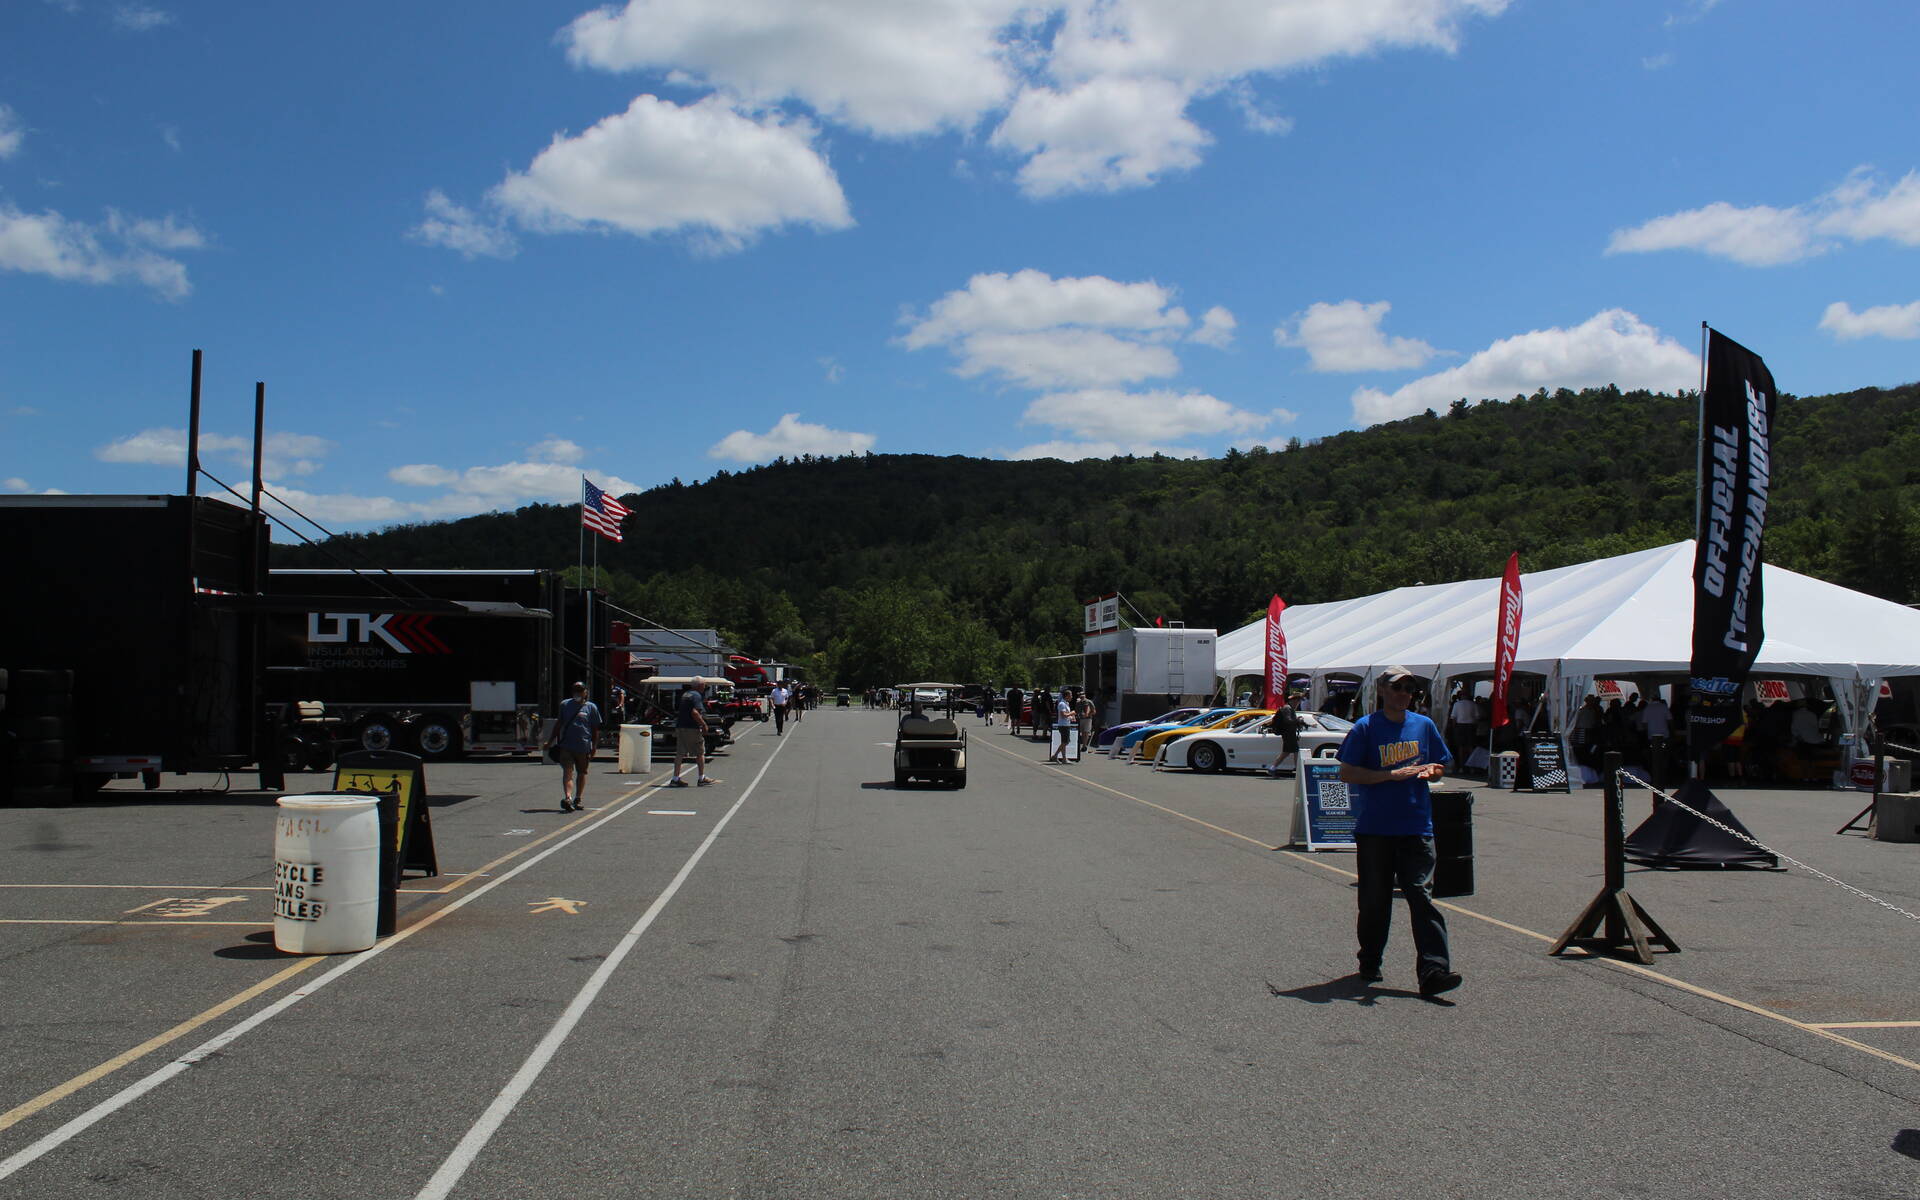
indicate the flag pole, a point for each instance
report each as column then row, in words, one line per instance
column 1700, row 433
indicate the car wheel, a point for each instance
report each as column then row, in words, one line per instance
column 1206, row 757
column 436, row 738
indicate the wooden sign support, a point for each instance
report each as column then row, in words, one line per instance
column 1626, row 923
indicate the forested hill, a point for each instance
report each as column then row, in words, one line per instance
column 918, row 564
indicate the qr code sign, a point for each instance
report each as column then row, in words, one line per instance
column 1333, row 796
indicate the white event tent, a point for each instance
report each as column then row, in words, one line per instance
column 1613, row 618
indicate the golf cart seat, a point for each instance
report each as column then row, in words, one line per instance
column 929, row 728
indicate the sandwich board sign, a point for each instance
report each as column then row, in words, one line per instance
column 1323, row 806
column 1543, row 765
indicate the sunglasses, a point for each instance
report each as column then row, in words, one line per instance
column 1400, row 685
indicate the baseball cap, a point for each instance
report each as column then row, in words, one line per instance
column 1395, row 675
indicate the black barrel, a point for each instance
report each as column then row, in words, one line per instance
column 1452, row 843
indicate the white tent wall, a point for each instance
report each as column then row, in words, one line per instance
column 1631, row 615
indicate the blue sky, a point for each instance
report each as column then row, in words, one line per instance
column 477, row 249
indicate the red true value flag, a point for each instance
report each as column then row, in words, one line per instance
column 1506, row 638
column 1276, row 654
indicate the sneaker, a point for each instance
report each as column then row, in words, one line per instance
column 707, row 779
column 676, row 782
column 1435, row 982
column 1370, row 974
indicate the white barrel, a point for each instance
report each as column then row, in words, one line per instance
column 636, row 750
column 326, row 874
column 1506, row 768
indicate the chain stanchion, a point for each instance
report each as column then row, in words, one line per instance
column 1786, row 858
column 1626, row 922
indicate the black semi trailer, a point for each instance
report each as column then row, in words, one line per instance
column 437, row 684
column 121, row 649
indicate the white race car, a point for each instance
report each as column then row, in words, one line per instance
column 1254, row 750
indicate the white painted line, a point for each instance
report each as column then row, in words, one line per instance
column 671, row 812
column 448, row 1176
column 36, row 1150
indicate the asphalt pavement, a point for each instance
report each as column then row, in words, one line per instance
column 1090, row 980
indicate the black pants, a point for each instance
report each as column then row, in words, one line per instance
column 779, row 719
column 1384, row 861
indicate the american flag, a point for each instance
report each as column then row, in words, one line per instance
column 599, row 511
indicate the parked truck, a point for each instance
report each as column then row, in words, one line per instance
column 126, row 644
column 435, row 684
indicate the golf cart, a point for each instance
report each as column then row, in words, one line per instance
column 929, row 748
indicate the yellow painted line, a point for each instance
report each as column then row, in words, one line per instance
column 62, row 1091
column 55, row 1095
column 1818, row 1030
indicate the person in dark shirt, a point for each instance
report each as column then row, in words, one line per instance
column 690, row 734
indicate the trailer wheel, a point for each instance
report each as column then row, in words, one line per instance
column 436, row 738
column 375, row 734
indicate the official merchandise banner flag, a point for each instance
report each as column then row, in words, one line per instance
column 1736, row 476
column 1276, row 654
column 1506, row 646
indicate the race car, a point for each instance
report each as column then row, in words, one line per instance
column 1114, row 733
column 1128, row 741
column 1238, row 721
column 1252, row 749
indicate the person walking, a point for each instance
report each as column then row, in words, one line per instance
column 1387, row 759
column 1461, row 715
column 1063, row 719
column 1086, row 710
column 571, row 745
column 690, row 734
column 777, row 701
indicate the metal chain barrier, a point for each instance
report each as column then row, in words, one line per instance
column 1625, row 778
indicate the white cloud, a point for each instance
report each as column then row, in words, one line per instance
column 831, row 369
column 1136, row 417
column 23, row 410
column 1065, row 358
column 1900, row 322
column 1347, row 337
column 281, row 453
column 1037, row 331
column 883, row 66
column 1093, row 93
column 1862, row 208
column 138, row 18
column 1612, row 347
column 706, row 169
column 789, row 437
column 423, row 475
column 463, row 230
column 556, row 450
column 1103, row 135
column 1216, row 328
column 1756, row 237
column 16, row 484
column 12, row 132
column 1074, row 451
column 117, row 250
column 1030, row 300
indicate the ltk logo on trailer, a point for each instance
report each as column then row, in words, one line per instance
column 407, row 633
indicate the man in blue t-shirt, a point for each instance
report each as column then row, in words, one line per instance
column 690, row 734
column 1387, row 759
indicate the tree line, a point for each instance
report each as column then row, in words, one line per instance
column 879, row 568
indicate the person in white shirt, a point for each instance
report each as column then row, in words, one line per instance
column 1462, row 716
column 778, row 700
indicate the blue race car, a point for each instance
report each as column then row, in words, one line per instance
column 1129, row 740
column 1107, row 736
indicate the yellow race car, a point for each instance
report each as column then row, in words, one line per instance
column 1147, row 749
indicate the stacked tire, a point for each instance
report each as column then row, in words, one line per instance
column 36, row 713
